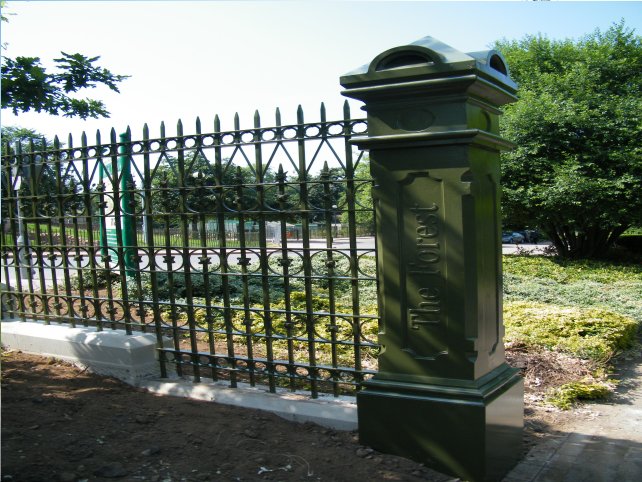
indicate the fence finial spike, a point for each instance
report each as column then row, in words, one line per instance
column 299, row 114
column 346, row 109
column 237, row 122
column 128, row 132
column 278, row 117
column 112, row 135
column 98, row 136
column 257, row 118
column 70, row 140
column 179, row 127
column 56, row 142
column 198, row 125
column 83, row 138
column 323, row 116
column 162, row 129
column 217, row 123
column 145, row 131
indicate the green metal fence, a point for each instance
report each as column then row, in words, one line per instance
column 241, row 246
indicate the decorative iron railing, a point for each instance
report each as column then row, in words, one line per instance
column 241, row 246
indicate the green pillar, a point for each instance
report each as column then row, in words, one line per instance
column 111, row 240
column 127, row 206
column 444, row 394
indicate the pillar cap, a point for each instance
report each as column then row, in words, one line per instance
column 427, row 59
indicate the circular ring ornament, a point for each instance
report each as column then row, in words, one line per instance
column 278, row 263
column 47, row 208
column 205, row 258
column 359, row 127
column 112, row 311
column 83, row 308
column 290, row 133
column 366, row 263
column 323, row 265
column 74, row 206
column 335, row 129
column 168, row 259
column 7, row 257
column 268, row 135
column 313, row 131
column 81, row 258
column 247, row 137
column 33, row 304
column 369, row 325
column 236, row 260
column 190, row 142
column 53, row 258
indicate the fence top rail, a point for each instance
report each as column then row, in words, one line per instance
column 323, row 129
